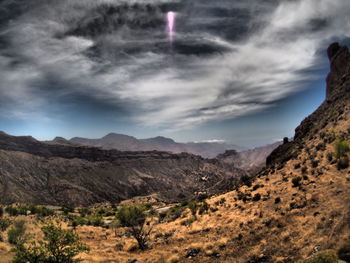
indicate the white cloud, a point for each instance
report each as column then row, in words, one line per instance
column 160, row 90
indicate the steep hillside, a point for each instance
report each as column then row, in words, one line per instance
column 60, row 174
column 128, row 143
column 298, row 206
column 252, row 160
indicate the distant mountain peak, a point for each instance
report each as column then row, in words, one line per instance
column 161, row 139
column 116, row 135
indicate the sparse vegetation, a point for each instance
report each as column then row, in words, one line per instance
column 41, row 211
column 16, row 234
column 4, row 224
column 133, row 217
column 327, row 256
column 204, row 207
column 92, row 220
column 58, row 246
column 341, row 147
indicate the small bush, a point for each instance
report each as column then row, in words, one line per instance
column 323, row 257
column 16, row 233
column 4, row 224
column 343, row 163
column 174, row 213
column 134, row 218
column 67, row 210
column 277, row 200
column 314, row 163
column 202, row 197
column 321, row 147
column 344, row 252
column 330, row 135
column 304, row 170
column 84, row 212
column 12, row 211
column 256, row 197
column 193, row 207
column 1, row 211
column 341, row 147
column 246, row 180
column 296, row 181
column 204, row 207
column 330, row 157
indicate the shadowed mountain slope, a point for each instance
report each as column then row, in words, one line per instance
column 252, row 160
column 61, row 174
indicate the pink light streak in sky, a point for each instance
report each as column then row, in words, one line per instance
column 171, row 24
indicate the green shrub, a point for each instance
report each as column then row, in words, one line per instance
column 24, row 210
column 327, row 256
column 204, row 207
column 16, row 233
column 1, row 211
column 152, row 212
column 67, row 210
column 84, row 212
column 330, row 135
column 58, row 246
column 341, row 147
column 193, row 207
column 344, row 252
column 94, row 220
column 174, row 213
column 12, row 211
column 4, row 224
column 134, row 218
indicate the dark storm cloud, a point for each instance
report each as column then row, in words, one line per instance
column 228, row 58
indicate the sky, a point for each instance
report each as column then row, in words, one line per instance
column 245, row 72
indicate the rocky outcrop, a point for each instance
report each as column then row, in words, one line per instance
column 335, row 104
column 57, row 174
column 338, row 78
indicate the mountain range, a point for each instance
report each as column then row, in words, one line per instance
column 129, row 143
column 66, row 174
